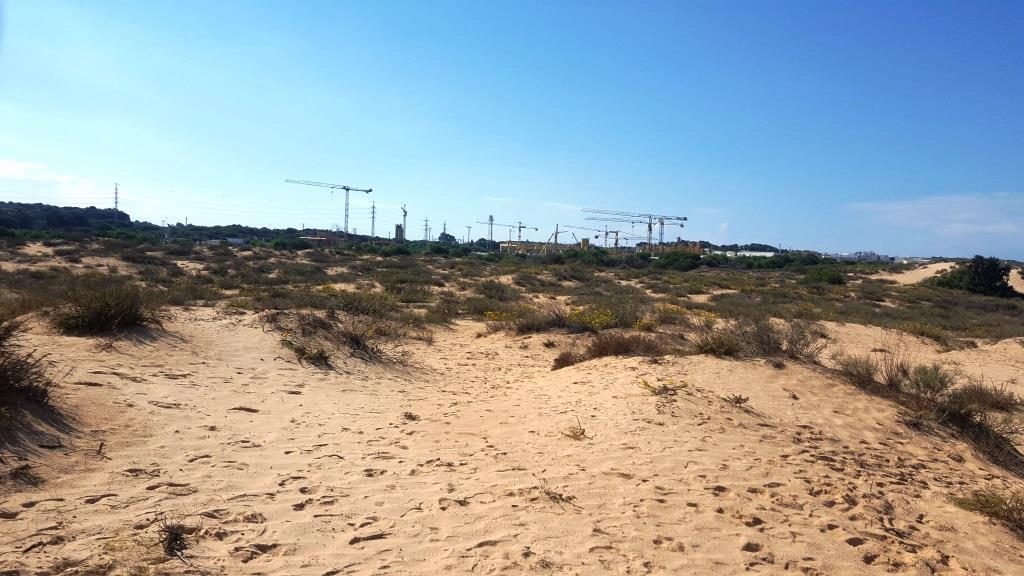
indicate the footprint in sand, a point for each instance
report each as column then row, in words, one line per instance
column 246, row 554
column 96, row 498
column 139, row 472
column 34, row 503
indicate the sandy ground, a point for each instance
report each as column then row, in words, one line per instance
column 928, row 270
column 1016, row 280
column 458, row 462
column 915, row 275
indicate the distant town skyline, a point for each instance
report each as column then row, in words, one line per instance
column 829, row 126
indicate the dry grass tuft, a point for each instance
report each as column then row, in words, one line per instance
column 760, row 338
column 1007, row 508
column 316, row 337
column 617, row 344
column 737, row 399
column 861, row 370
column 23, row 373
column 662, row 389
column 577, row 432
column 176, row 537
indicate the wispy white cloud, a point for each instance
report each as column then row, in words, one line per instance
column 36, row 181
column 953, row 216
column 500, row 199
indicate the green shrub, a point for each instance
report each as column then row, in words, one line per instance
column 708, row 339
column 859, row 370
column 979, row 398
column 189, row 290
column 824, row 275
column 1007, row 508
column 928, row 331
column 894, row 370
column 930, row 380
column 98, row 304
column 444, row 310
column 618, row 344
column 535, row 321
column 497, row 291
column 612, row 344
column 987, row 276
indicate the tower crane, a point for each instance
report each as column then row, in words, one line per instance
column 333, row 187
column 606, row 232
column 519, row 227
column 639, row 218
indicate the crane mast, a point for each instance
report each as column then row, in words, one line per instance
column 333, row 187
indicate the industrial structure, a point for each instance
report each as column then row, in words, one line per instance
column 639, row 218
column 334, row 187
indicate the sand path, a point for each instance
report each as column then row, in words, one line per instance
column 458, row 462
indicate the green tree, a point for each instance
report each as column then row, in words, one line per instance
column 981, row 275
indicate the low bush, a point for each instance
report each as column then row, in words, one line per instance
column 23, row 373
column 444, row 311
column 759, row 338
column 928, row 331
column 1007, row 508
column 707, row 339
column 190, row 290
column 566, row 358
column 894, row 369
column 612, row 344
column 977, row 397
column 97, row 304
column 315, row 337
column 824, row 275
column 618, row 344
column 930, row 380
column 859, row 370
column 497, row 291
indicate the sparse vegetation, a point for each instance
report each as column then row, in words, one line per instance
column 1006, row 507
column 759, row 338
column 96, row 305
column 981, row 275
column 618, row 344
column 24, row 376
column 612, row 344
column 930, row 380
column 861, row 370
column 315, row 338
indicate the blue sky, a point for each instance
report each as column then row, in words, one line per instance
column 888, row 126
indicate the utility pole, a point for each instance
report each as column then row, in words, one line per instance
column 333, row 187
column 426, row 229
column 373, row 220
column 469, row 234
column 116, row 196
column 490, row 231
column 405, row 230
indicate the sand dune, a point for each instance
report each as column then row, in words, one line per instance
column 459, row 462
column 915, row 275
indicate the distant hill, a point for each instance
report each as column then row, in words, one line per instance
column 37, row 221
column 44, row 217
